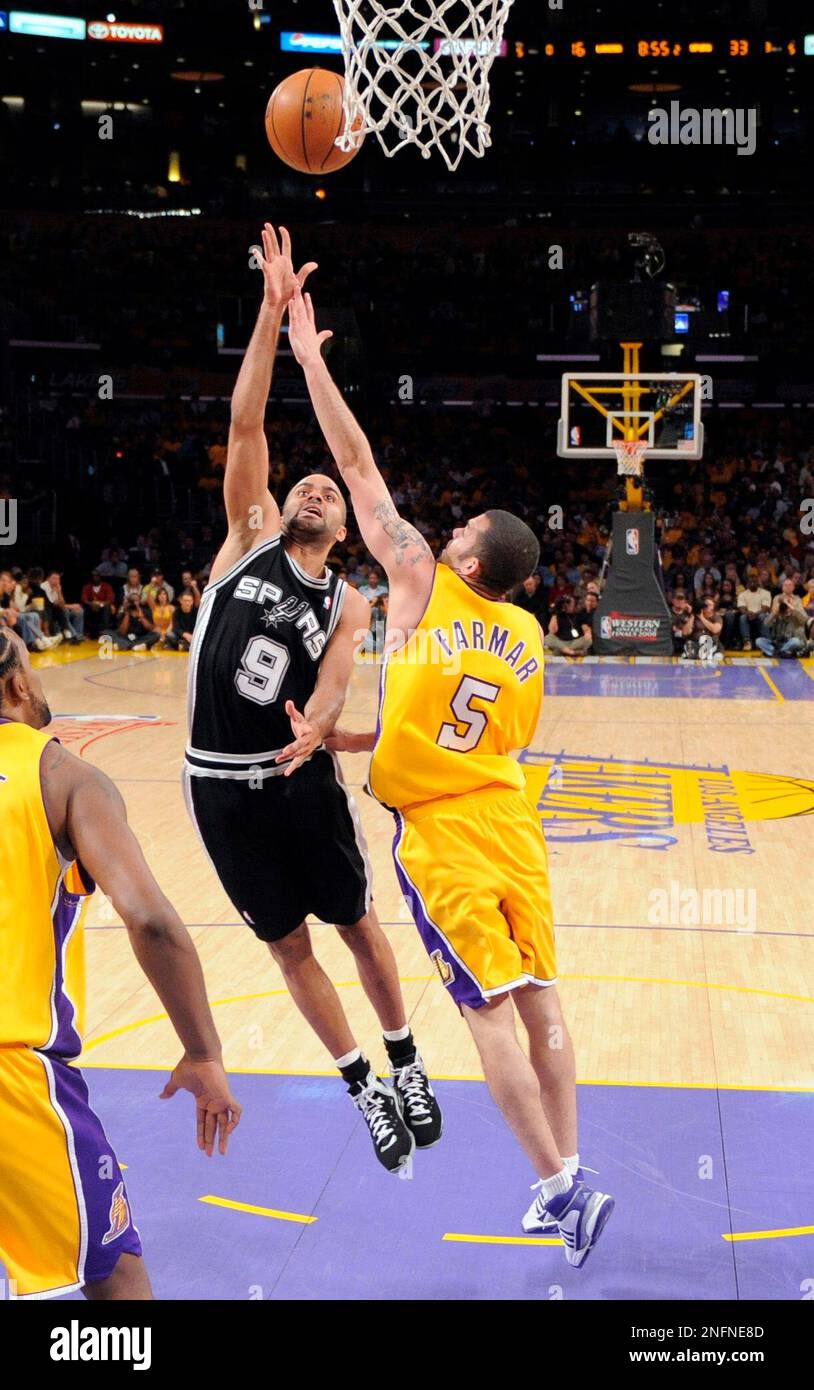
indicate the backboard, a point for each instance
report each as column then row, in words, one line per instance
column 663, row 409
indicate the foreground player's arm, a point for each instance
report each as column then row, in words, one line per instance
column 312, row 727
column 88, row 821
column 343, row 741
column 251, row 511
column 399, row 547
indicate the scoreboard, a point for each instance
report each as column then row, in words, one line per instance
column 661, row 45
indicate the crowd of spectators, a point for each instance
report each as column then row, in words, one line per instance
column 130, row 616
column 735, row 531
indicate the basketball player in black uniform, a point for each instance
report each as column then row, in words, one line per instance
column 271, row 657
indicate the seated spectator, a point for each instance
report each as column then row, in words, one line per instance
column 683, row 623
column 132, row 587
column 728, row 609
column 784, row 633
column 71, row 615
column 114, row 567
column 150, row 591
column 754, row 604
column 179, row 636
column 162, row 611
column 136, row 631
column 189, row 584
column 706, row 567
column 98, row 605
column 30, row 594
column 376, row 594
column 531, row 596
column 26, row 624
column 569, row 632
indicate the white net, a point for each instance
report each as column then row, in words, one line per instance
column 630, row 455
column 417, row 73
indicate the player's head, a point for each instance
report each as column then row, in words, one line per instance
column 314, row 512
column 494, row 552
column 21, row 694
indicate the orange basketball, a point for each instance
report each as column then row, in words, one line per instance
column 303, row 119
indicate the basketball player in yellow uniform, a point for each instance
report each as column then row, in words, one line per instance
column 65, row 1219
column 461, row 689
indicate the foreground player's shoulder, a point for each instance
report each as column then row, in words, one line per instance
column 65, row 781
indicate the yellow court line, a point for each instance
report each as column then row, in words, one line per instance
column 448, row 1076
column 771, row 684
column 771, row 1235
column 808, row 667
column 259, row 1211
column 422, row 979
column 502, row 1240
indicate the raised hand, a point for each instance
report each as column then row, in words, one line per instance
column 278, row 269
column 306, row 342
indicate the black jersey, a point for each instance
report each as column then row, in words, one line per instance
column 261, row 632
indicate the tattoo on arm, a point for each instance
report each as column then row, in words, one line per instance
column 405, row 537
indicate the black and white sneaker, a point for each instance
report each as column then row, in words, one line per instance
column 422, row 1112
column 381, row 1108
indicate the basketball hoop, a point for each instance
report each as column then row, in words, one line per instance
column 417, row 73
column 630, row 454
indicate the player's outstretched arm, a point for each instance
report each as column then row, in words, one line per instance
column 398, row 546
column 88, row 821
column 251, row 511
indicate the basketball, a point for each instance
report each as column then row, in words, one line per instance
column 303, row 119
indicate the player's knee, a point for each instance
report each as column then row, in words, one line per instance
column 362, row 935
column 292, row 950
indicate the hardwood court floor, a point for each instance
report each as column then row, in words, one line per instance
column 655, row 783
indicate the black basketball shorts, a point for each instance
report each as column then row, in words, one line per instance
column 285, row 849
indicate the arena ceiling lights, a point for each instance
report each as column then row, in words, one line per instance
column 46, row 26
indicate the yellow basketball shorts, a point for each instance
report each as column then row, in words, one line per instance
column 64, row 1214
column 474, row 870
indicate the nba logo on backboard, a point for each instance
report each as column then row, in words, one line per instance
column 8, row 521
column 632, row 540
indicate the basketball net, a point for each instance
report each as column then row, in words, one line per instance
column 417, row 73
column 630, row 454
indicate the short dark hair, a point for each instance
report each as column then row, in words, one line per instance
column 9, row 660
column 508, row 551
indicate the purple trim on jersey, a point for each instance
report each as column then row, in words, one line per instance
column 66, row 1041
column 463, row 987
column 106, row 1223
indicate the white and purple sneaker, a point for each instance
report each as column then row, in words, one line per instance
column 579, row 1217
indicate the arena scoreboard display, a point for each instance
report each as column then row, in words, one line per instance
column 665, row 45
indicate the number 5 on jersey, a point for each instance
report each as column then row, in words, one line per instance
column 474, row 721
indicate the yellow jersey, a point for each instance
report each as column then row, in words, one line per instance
column 461, row 695
column 42, row 901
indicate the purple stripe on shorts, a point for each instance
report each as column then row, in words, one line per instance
column 66, row 1041
column 104, row 1210
column 463, row 988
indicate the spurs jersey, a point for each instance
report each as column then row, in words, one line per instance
column 457, row 699
column 42, row 966
column 261, row 632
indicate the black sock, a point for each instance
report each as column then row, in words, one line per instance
column 401, row 1053
column 355, row 1074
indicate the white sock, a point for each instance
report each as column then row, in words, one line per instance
column 348, row 1058
column 553, row 1187
column 572, row 1164
column 399, row 1035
